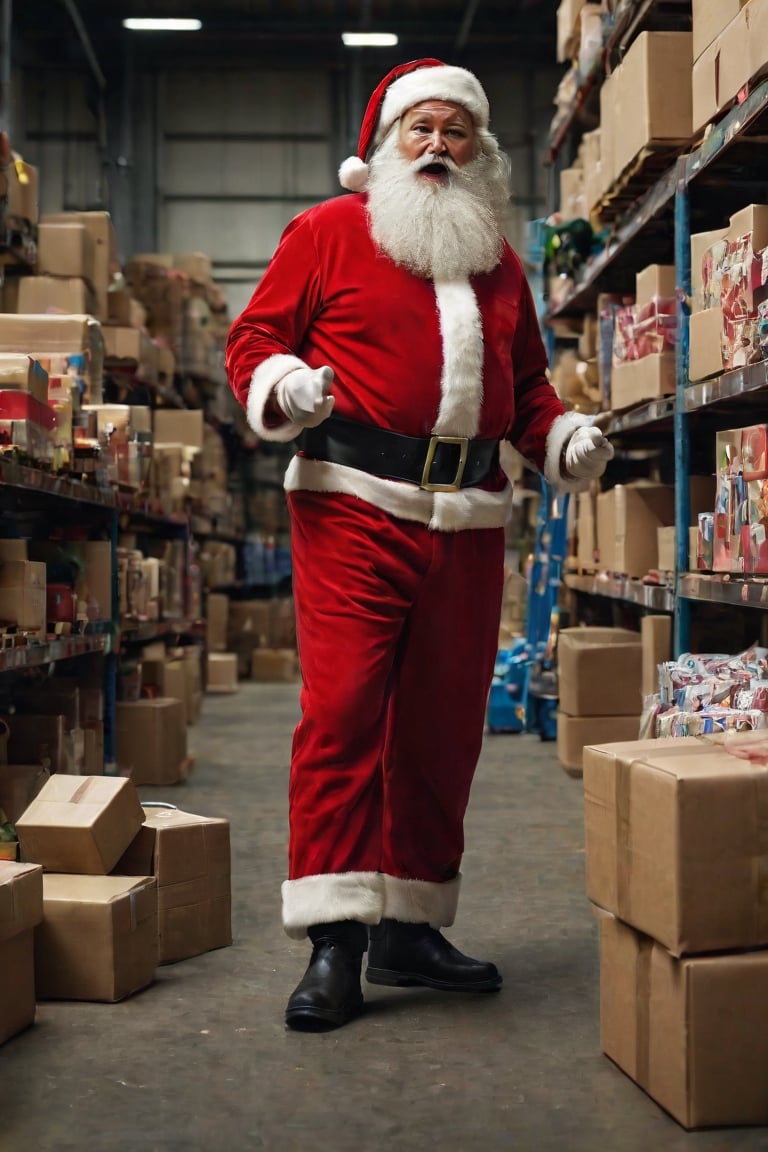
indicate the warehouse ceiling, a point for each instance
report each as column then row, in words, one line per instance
column 286, row 33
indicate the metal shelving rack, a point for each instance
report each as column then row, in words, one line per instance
column 699, row 192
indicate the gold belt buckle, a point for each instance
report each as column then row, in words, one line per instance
column 463, row 443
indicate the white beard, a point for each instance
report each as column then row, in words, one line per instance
column 441, row 231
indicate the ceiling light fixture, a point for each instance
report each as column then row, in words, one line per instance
column 369, row 39
column 155, row 24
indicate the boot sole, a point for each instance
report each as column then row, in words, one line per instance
column 319, row 1019
column 394, row 979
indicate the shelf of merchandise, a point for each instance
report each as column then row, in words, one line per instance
column 704, row 186
column 34, row 653
column 724, row 588
column 654, row 597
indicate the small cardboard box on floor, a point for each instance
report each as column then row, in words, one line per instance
column 21, row 909
column 152, row 740
column 221, row 669
column 190, row 858
column 693, row 1033
column 98, row 939
column 674, row 838
column 80, row 824
column 272, row 665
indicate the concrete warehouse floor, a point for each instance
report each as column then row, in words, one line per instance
column 202, row 1062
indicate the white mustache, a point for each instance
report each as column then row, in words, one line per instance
column 428, row 161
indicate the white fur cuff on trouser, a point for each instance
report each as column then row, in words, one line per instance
column 367, row 897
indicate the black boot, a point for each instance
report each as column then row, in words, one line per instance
column 330, row 994
column 407, row 954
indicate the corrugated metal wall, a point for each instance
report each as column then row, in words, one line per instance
column 221, row 161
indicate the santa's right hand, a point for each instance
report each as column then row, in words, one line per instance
column 304, row 395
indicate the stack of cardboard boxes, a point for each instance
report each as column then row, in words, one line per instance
column 249, row 639
column 674, row 864
column 108, row 892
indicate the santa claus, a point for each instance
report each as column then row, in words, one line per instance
column 394, row 335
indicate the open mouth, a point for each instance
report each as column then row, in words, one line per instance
column 436, row 169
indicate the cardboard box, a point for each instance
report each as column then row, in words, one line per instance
column 609, row 126
column 706, row 344
column 693, row 1033
column 193, row 682
column 152, row 740
column 179, row 426
column 656, row 640
column 274, row 665
column 65, row 250
column 657, row 281
column 710, row 18
column 574, row 733
column 190, row 858
column 21, row 898
column 701, row 244
column 665, row 548
column 250, row 618
column 54, row 294
column 572, row 205
column 628, row 516
column 19, row 785
column 586, row 537
column 106, row 261
column 165, row 678
column 221, row 672
column 22, row 595
column 80, row 824
column 63, row 344
column 98, row 939
column 22, row 372
column 599, row 671
column 654, row 95
column 216, row 622
column 638, row 380
column 17, row 987
column 735, row 56
column 674, row 845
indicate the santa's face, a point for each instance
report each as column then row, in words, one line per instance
column 436, row 194
column 433, row 132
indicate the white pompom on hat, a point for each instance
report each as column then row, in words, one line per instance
column 404, row 86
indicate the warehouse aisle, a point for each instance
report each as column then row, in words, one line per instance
column 201, row 1062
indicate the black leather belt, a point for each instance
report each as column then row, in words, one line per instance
column 435, row 463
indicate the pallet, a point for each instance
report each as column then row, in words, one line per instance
column 636, row 179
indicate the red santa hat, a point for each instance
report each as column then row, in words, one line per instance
column 404, row 86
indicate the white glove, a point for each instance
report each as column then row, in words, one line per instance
column 304, row 395
column 587, row 454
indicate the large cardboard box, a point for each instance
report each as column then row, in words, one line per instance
column 60, row 343
column 152, row 740
column 638, row 380
column 190, row 858
column 599, row 671
column 106, row 260
column 656, row 640
column 586, row 538
column 98, row 939
column 706, row 344
column 177, row 426
column 55, row 294
column 567, row 15
column 674, row 842
column 80, row 824
column 654, row 95
column 65, row 250
column 627, row 518
column 574, row 733
column 656, row 281
column 21, row 898
column 21, row 909
column 22, row 595
column 165, row 678
column 693, row 1033
column 710, row 18
column 609, row 127
column 25, row 373
column 701, row 243
column 736, row 55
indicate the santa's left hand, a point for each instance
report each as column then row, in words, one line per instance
column 587, row 454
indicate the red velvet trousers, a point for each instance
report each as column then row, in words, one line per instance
column 398, row 633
